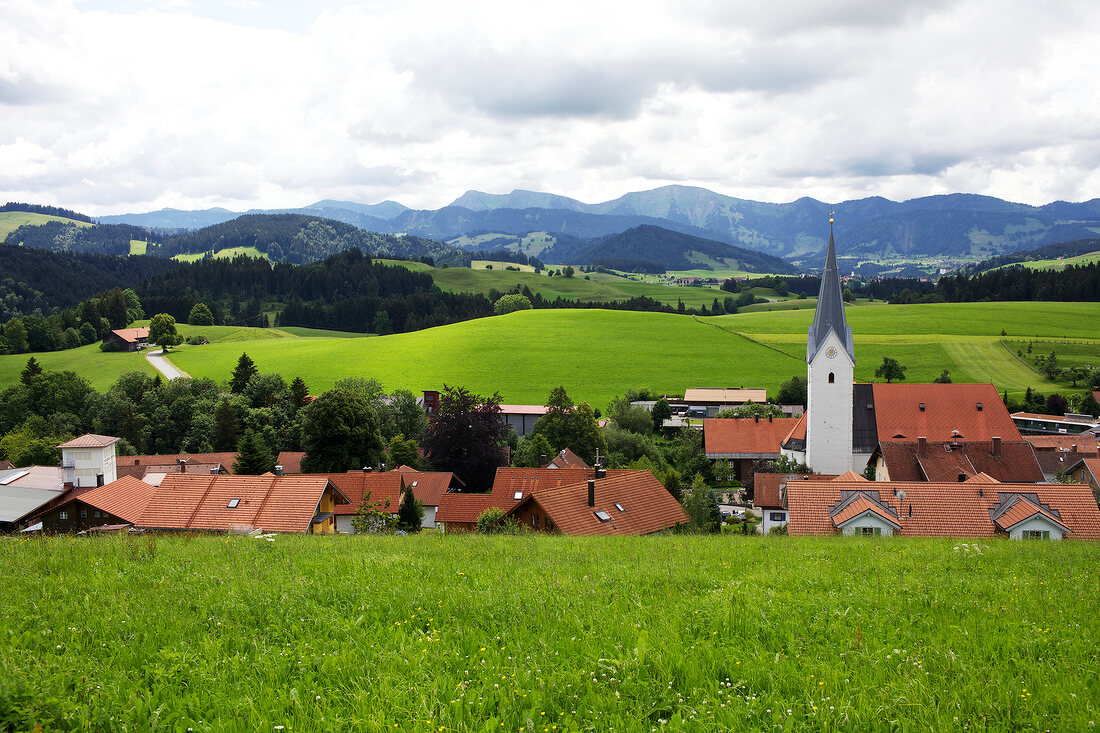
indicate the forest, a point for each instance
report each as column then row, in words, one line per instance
column 47, row 210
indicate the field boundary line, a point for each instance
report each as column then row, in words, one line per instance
column 747, row 338
column 1019, row 358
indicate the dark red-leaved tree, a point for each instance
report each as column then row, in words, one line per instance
column 466, row 437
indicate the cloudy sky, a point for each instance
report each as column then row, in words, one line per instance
column 113, row 106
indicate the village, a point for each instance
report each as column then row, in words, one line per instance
column 935, row 459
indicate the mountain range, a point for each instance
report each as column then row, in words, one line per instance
column 934, row 226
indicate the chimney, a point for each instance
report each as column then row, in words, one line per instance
column 278, row 470
column 601, row 472
column 910, row 510
column 962, row 477
column 769, row 418
column 367, row 469
column 757, row 418
column 922, row 445
column 543, row 461
column 592, row 492
column 99, row 479
column 996, row 447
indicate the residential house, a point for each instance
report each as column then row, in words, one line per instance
column 287, row 462
column 629, row 503
column 118, row 503
column 385, row 491
column 956, row 460
column 704, row 402
column 743, row 440
column 458, row 512
column 128, row 339
column 1086, row 471
column 979, row 507
column 25, row 490
column 89, row 460
column 1057, row 453
column 567, row 459
column 1030, row 423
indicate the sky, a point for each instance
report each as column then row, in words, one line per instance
column 117, row 106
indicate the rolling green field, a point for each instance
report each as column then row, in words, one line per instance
column 227, row 254
column 469, row 633
column 138, row 246
column 12, row 220
column 1085, row 259
column 598, row 354
column 480, row 265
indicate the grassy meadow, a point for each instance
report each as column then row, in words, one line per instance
column 470, row 633
column 12, row 220
column 227, row 254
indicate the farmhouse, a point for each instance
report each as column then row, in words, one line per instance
column 955, row 460
column 630, row 503
column 745, row 439
column 120, row 502
column 24, row 490
column 458, row 512
column 128, row 339
column 978, row 507
column 1031, row 423
column 701, row 402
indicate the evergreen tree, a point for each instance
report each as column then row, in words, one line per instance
column 254, row 456
column 117, row 313
column 30, row 371
column 242, row 373
column 225, row 427
column 660, row 412
column 298, row 393
column 411, row 512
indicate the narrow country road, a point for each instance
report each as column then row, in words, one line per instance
column 162, row 365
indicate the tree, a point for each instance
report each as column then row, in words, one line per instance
column 567, row 426
column 890, row 370
column 242, row 373
column 752, row 409
column 254, row 456
column 534, row 450
column 200, row 315
column 466, row 437
column 944, row 378
column 162, row 331
column 134, row 311
column 701, row 506
column 1076, row 374
column 511, row 303
column 660, row 412
column 1057, row 405
column 488, row 522
column 30, row 372
column 383, row 325
column 225, row 427
column 568, row 271
column 115, row 309
column 410, row 513
column 1088, row 405
column 373, row 516
column 1050, row 367
column 298, row 393
column 339, row 432
column 15, row 337
column 792, row 392
column 403, row 452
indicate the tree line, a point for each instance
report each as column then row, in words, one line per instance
column 83, row 324
column 48, row 210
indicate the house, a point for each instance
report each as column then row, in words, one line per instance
column 89, row 460
column 1057, row 453
column 742, row 440
column 979, row 507
column 128, row 339
column 458, row 512
column 25, row 490
column 118, row 503
column 427, row 487
column 629, row 503
column 703, row 402
column 287, row 462
column 1030, row 423
column 567, row 459
column 305, row 503
column 768, row 498
column 1086, row 471
column 522, row 417
column 956, row 460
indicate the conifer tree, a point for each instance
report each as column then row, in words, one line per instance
column 298, row 393
column 254, row 457
column 225, row 427
column 244, row 371
column 411, row 512
column 30, row 371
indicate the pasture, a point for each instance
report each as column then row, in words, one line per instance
column 470, row 633
column 226, row 254
column 12, row 220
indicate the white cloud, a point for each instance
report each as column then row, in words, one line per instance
column 135, row 104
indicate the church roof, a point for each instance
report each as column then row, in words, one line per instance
column 829, row 315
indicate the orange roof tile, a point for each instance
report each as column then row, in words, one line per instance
column 290, row 460
column 945, row 461
column 225, row 460
column 1020, row 511
column 860, row 506
column 647, row 507
column 462, row 508
column 745, row 436
column 850, row 476
column 125, row 498
column 510, row 485
column 947, row 408
column 1079, row 443
column 940, row 509
column 766, row 491
column 90, row 440
column 382, row 486
column 567, row 459
column 1092, row 463
column 132, row 335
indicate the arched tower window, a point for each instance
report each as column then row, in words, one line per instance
column 831, row 378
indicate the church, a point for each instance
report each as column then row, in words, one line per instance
column 845, row 422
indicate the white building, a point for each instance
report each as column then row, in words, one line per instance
column 89, row 460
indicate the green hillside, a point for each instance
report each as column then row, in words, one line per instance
column 228, row 253
column 12, row 220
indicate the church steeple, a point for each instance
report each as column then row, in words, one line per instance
column 829, row 315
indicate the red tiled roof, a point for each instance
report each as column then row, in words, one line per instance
column 1021, row 511
column 940, row 509
column 948, row 407
column 1092, row 463
column 356, row 484
column 290, row 460
column 125, row 498
column 90, row 440
column 273, row 503
column 1080, row 443
column 766, row 490
column 746, row 436
column 131, row 335
column 945, row 461
column 428, row 486
column 647, row 506
column 567, row 459
column 225, row 460
column 859, row 507
column 525, row 480
column 462, row 508
column 850, row 476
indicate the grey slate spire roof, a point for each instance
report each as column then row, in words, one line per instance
column 829, row 315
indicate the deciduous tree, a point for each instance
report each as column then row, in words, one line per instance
column 466, row 437
column 200, row 315
column 339, row 432
column 162, row 331
column 890, row 370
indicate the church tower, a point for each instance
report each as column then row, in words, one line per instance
column 830, row 360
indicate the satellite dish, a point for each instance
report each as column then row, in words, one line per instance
column 901, row 496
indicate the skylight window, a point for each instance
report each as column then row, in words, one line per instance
column 232, row 503
column 517, row 496
column 602, row 516
column 414, row 484
column 619, row 507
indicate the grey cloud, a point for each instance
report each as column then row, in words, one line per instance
column 792, row 16
column 16, row 93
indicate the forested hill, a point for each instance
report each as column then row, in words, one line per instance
column 650, row 248
column 300, row 239
column 347, row 291
column 1049, row 252
column 60, row 236
column 47, row 210
column 34, row 279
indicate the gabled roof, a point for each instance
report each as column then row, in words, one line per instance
column 1092, row 463
column 647, row 507
column 859, row 504
column 567, row 459
column 746, row 437
column 941, row 509
column 1076, row 443
column 829, row 313
column 523, row 409
column 290, row 460
column 510, row 481
column 462, row 508
column 946, row 408
column 125, row 498
column 132, row 335
column 1017, row 509
column 796, row 438
column 136, row 465
column 272, row 503
column 766, row 490
column 725, row 396
column 850, row 476
column 356, row 484
column 90, row 441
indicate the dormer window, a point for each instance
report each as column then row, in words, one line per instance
column 921, row 406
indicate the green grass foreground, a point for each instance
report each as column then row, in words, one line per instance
column 435, row 633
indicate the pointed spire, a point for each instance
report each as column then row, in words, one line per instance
column 829, row 315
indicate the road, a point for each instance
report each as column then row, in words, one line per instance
column 162, row 365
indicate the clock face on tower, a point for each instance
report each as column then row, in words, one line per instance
column 830, row 353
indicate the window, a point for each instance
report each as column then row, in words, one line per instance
column 535, row 521
column 602, row 516
column 232, row 503
column 921, row 405
column 63, row 515
column 83, row 513
column 517, row 496
column 832, row 378
column 97, row 515
column 619, row 507
column 1036, row 534
column 870, row 531
column 777, row 517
